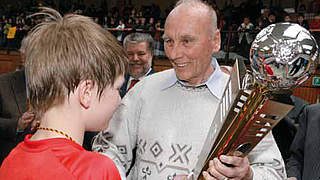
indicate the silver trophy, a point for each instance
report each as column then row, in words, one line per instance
column 281, row 58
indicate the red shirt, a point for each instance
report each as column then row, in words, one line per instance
column 58, row 159
column 314, row 24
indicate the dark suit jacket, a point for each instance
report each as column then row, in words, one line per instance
column 123, row 89
column 304, row 163
column 285, row 131
column 13, row 103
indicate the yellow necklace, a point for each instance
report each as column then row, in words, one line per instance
column 56, row 131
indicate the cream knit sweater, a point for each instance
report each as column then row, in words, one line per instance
column 168, row 127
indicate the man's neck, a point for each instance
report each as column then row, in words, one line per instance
column 203, row 80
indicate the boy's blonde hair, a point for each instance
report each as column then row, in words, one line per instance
column 62, row 51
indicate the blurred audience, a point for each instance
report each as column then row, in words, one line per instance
column 245, row 36
column 287, row 18
column 315, row 23
column 127, row 18
column 302, row 22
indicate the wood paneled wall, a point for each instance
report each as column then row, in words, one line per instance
column 9, row 62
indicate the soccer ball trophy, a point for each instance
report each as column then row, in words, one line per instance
column 282, row 55
column 281, row 58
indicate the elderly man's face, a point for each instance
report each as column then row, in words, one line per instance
column 190, row 43
column 140, row 59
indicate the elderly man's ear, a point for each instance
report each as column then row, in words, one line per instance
column 216, row 40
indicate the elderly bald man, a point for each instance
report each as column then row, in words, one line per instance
column 168, row 115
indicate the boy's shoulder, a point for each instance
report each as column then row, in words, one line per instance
column 89, row 157
column 92, row 165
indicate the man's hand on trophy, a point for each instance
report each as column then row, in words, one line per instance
column 229, row 168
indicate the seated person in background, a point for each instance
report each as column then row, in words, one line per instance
column 151, row 28
column 120, row 29
column 245, row 36
column 136, row 24
column 143, row 24
column 271, row 19
column 75, row 69
column 315, row 23
column 304, row 162
column 16, row 120
column 139, row 48
column 302, row 22
column 287, row 18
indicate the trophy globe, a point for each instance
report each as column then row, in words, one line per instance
column 282, row 56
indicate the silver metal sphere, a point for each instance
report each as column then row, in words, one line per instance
column 282, row 55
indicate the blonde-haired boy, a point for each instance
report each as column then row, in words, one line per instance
column 74, row 70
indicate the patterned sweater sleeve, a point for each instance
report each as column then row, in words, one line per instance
column 266, row 161
column 119, row 140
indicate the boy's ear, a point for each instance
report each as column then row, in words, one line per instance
column 86, row 93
